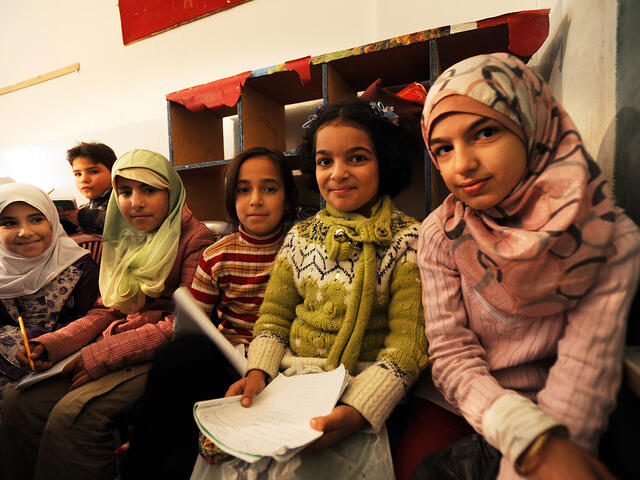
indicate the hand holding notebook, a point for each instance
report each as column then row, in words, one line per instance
column 277, row 423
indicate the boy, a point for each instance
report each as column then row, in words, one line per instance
column 91, row 164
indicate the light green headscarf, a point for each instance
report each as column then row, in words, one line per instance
column 136, row 263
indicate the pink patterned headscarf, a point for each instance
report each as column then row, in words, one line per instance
column 538, row 251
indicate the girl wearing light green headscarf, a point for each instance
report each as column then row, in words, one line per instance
column 139, row 247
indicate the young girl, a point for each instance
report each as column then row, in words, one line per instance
column 345, row 288
column 63, row 427
column 229, row 285
column 45, row 277
column 534, row 267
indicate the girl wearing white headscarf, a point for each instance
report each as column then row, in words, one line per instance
column 61, row 427
column 48, row 290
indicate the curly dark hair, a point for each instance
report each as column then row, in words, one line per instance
column 96, row 152
column 394, row 145
column 232, row 171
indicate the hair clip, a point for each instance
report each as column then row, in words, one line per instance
column 385, row 112
column 379, row 109
column 314, row 117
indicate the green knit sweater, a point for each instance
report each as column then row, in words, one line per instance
column 346, row 289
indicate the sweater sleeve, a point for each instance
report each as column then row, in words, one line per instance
column 78, row 333
column 277, row 312
column 200, row 239
column 137, row 340
column 376, row 390
column 150, row 330
column 582, row 384
column 204, row 287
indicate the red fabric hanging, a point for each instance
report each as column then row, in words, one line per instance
column 225, row 91
column 302, row 66
column 143, row 18
column 527, row 29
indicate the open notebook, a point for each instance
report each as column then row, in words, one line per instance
column 277, row 424
column 35, row 377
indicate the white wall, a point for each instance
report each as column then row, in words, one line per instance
column 578, row 60
column 118, row 96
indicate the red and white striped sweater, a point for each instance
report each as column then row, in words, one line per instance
column 232, row 277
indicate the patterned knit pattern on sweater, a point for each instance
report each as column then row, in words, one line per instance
column 231, row 278
column 345, row 289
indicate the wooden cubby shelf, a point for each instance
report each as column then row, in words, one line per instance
column 264, row 99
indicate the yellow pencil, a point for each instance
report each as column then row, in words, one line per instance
column 26, row 342
column 51, row 191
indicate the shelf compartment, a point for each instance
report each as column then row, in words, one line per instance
column 196, row 137
column 205, row 191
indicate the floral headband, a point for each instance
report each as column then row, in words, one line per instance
column 386, row 113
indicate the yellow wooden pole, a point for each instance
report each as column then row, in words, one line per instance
column 41, row 78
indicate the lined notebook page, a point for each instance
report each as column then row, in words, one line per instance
column 278, row 420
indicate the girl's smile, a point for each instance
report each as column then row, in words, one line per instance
column 473, row 186
column 24, row 230
column 480, row 160
column 342, row 191
column 347, row 168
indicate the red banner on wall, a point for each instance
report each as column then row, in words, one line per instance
column 143, row 18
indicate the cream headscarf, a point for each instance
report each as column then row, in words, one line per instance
column 538, row 251
column 23, row 276
column 136, row 263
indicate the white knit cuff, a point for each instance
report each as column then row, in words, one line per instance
column 265, row 353
column 374, row 393
column 513, row 422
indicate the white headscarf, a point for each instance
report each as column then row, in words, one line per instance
column 23, row 276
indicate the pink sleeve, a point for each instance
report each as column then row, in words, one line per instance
column 195, row 245
column 458, row 364
column 130, row 347
column 137, row 340
column 582, row 384
column 78, row 333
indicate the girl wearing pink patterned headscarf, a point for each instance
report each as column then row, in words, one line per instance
column 528, row 270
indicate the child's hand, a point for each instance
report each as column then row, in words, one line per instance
column 38, row 355
column 75, row 369
column 564, row 460
column 253, row 383
column 343, row 421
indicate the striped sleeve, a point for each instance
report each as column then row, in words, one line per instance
column 231, row 279
column 204, row 287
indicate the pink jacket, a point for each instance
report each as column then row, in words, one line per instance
column 569, row 364
column 110, row 340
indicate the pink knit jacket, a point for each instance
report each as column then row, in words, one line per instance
column 110, row 340
column 569, row 364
